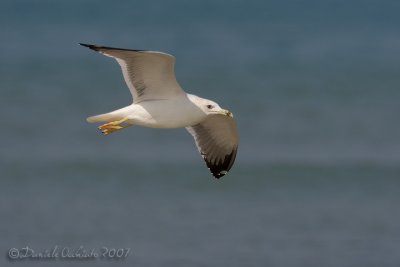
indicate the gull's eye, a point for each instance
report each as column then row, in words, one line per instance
column 210, row 106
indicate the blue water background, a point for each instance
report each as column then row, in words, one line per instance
column 314, row 86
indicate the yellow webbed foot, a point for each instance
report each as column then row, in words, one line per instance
column 112, row 126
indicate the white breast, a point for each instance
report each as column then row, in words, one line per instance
column 170, row 113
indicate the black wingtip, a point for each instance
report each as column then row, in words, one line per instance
column 97, row 48
column 222, row 168
column 217, row 176
column 94, row 47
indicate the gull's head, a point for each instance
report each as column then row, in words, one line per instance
column 210, row 107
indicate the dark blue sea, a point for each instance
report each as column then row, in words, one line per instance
column 315, row 89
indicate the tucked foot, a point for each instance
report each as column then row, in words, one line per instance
column 112, row 126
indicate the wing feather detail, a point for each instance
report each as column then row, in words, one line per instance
column 148, row 74
column 217, row 140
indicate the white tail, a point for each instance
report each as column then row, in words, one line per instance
column 100, row 118
column 111, row 116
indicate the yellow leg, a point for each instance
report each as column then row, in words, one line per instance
column 112, row 126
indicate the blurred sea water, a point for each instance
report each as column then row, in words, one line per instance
column 312, row 84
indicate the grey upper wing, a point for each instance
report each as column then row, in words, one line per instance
column 217, row 140
column 149, row 75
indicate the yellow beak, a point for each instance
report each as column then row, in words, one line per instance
column 226, row 113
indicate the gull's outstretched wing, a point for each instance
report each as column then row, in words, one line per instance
column 217, row 139
column 148, row 74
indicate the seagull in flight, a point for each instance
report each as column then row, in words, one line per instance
column 160, row 102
